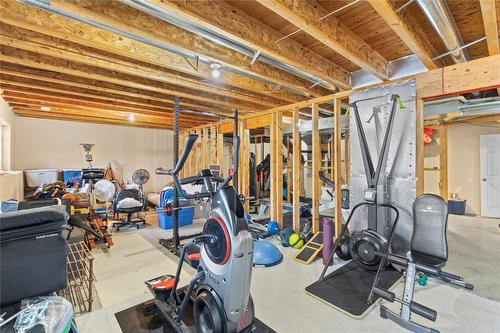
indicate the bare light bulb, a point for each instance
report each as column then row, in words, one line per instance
column 131, row 117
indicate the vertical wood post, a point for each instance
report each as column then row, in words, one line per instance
column 338, row 165
column 419, row 149
column 205, row 148
column 213, row 145
column 198, row 150
column 347, row 157
column 443, row 160
column 297, row 169
column 288, row 169
column 316, row 166
column 220, row 153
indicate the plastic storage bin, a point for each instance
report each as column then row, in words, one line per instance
column 70, row 173
column 456, row 207
column 167, row 221
column 185, row 218
column 37, row 177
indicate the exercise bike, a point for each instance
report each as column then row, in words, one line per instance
column 220, row 290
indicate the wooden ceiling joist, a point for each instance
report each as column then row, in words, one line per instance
column 48, row 79
column 409, row 34
column 229, row 22
column 27, row 17
column 44, row 100
column 14, row 86
column 49, row 46
column 331, row 32
column 25, row 58
column 27, row 112
column 489, row 12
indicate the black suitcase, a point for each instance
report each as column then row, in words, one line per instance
column 32, row 253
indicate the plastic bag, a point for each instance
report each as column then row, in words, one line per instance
column 129, row 203
column 52, row 313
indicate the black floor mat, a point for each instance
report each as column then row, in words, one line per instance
column 348, row 287
column 133, row 320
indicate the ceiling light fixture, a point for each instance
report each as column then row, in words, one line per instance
column 216, row 69
column 45, row 108
column 131, row 117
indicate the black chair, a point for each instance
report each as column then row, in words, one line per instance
column 428, row 254
column 129, row 221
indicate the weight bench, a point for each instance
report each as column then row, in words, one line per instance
column 428, row 254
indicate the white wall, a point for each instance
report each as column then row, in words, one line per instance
column 7, row 118
column 44, row 143
column 463, row 163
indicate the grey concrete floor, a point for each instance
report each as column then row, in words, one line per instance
column 278, row 292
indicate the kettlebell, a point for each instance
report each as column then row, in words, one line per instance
column 273, row 227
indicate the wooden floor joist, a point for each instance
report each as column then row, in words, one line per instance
column 229, row 22
column 57, row 80
column 31, row 18
column 25, row 58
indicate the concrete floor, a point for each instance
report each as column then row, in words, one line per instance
column 278, row 292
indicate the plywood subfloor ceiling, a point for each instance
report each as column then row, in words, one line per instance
column 122, row 62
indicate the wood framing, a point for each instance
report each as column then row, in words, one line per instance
column 27, row 17
column 347, row 157
column 489, row 13
column 276, row 169
column 316, row 167
column 337, row 144
column 331, row 32
column 408, row 34
column 475, row 75
column 297, row 171
column 419, row 142
column 41, row 44
column 231, row 23
column 443, row 161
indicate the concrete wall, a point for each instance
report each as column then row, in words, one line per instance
column 44, row 143
column 463, row 163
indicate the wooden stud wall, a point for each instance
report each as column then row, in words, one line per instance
column 297, row 171
column 337, row 144
column 316, row 166
column 443, row 161
column 474, row 75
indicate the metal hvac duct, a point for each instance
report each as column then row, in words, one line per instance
column 439, row 16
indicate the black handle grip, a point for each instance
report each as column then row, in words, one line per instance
column 385, row 294
column 189, row 180
column 188, row 145
column 423, row 311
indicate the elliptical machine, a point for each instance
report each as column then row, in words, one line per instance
column 220, row 291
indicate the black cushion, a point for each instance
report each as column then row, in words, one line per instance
column 32, row 222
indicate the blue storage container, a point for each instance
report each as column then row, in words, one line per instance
column 70, row 173
column 185, row 218
column 456, row 207
column 8, row 206
column 167, row 222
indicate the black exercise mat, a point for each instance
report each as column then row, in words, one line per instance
column 133, row 320
column 348, row 287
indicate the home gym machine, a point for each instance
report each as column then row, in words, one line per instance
column 220, row 290
column 363, row 244
column 428, row 254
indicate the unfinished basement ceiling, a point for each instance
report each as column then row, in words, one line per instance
column 89, row 60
